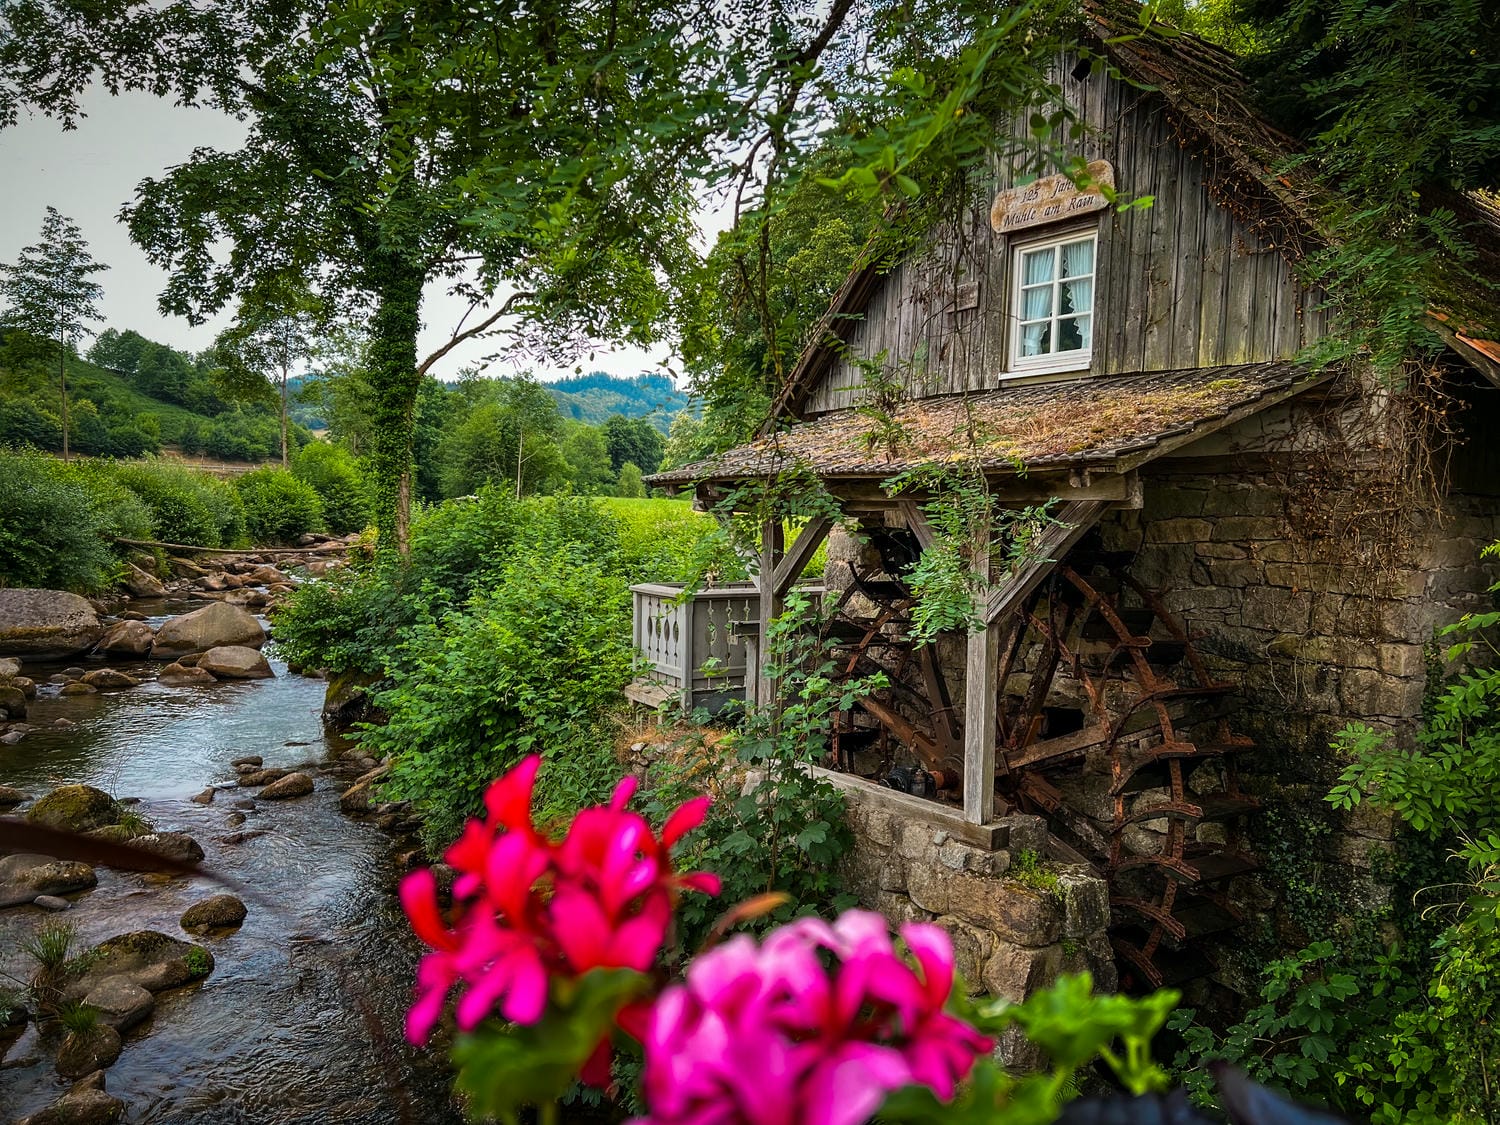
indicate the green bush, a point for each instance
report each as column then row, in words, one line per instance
column 55, row 520
column 278, row 506
column 187, row 505
column 334, row 474
column 347, row 621
column 531, row 665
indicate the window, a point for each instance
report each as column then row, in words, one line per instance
column 1053, row 306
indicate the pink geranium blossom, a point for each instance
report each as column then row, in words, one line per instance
column 765, row 1035
column 527, row 909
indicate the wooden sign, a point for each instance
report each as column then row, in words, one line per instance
column 1050, row 199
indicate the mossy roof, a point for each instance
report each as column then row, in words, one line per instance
column 1101, row 422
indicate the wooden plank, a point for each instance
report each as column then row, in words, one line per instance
column 1160, row 257
column 770, row 606
column 1187, row 274
column 918, row 810
column 917, row 521
column 1213, row 287
column 1073, row 524
column 979, row 724
column 795, row 561
column 1074, row 743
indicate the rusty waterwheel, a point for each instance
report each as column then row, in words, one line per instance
column 1110, row 726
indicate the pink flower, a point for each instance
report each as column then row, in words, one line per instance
column 527, row 909
column 767, row 1036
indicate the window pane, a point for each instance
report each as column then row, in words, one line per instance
column 1078, row 259
column 1035, row 338
column 1073, row 333
column 1036, row 303
column 1036, row 266
column 1075, row 296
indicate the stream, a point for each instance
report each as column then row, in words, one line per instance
column 301, row 1019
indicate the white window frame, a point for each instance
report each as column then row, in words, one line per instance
column 1050, row 363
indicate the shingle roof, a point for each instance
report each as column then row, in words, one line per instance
column 1092, row 421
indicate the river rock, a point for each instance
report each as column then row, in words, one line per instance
column 51, row 903
column 246, row 803
column 46, row 624
column 74, row 672
column 179, row 675
column 131, row 615
column 75, row 808
column 140, row 584
column 214, row 913
column 263, row 777
column 10, row 796
column 127, row 638
column 266, row 575
column 85, row 1104
column 77, row 687
column 173, row 845
column 357, row 798
column 346, row 701
column 292, row 785
column 235, row 662
column 9, row 666
column 110, row 678
column 85, row 1052
column 120, row 1001
column 248, row 760
column 146, row 958
column 235, row 819
column 214, row 582
column 207, row 628
column 204, row 798
column 11, row 737
column 12, row 700
column 25, row 876
column 27, row 686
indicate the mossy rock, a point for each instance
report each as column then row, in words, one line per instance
column 75, row 808
column 147, row 958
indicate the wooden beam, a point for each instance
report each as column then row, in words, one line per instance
column 920, row 525
column 979, row 724
column 771, row 602
column 1073, row 523
column 795, row 561
column 921, row 810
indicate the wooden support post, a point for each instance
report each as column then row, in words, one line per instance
column 771, row 602
column 979, row 724
column 800, row 553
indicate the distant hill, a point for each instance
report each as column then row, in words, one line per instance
column 594, row 397
column 130, row 397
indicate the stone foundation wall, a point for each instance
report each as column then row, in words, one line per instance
column 1012, row 935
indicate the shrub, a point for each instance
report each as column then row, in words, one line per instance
column 532, row 665
column 187, row 506
column 333, row 473
column 345, row 622
column 55, row 520
column 278, row 506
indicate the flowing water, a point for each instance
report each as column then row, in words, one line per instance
column 300, row 1020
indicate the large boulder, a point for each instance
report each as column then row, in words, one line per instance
column 12, row 699
column 46, row 624
column 75, row 808
column 87, row 1051
column 26, row 877
column 120, row 1002
column 210, row 627
column 235, row 662
column 85, row 1104
column 146, row 958
column 140, row 584
column 127, row 638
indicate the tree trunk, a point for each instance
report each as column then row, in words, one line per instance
column 62, row 382
column 284, row 463
column 394, row 380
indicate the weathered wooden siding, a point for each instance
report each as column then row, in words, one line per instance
column 1180, row 284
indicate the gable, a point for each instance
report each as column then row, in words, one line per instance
column 1185, row 283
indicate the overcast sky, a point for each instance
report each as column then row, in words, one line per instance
column 91, row 172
